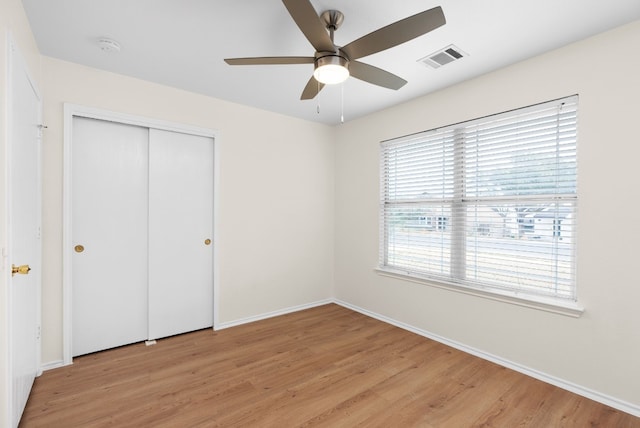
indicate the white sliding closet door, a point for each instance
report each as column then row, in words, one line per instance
column 142, row 215
column 109, row 217
column 180, row 233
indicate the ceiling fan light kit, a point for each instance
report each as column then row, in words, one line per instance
column 334, row 64
column 331, row 69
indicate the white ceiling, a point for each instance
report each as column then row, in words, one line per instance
column 182, row 43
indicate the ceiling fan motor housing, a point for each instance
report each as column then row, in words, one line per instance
column 326, row 58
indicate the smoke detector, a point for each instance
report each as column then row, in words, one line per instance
column 443, row 56
column 108, row 45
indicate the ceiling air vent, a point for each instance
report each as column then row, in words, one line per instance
column 443, row 57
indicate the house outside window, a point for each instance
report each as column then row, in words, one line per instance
column 488, row 204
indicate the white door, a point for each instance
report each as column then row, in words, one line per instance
column 180, row 233
column 109, row 233
column 24, row 235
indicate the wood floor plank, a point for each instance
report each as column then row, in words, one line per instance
column 323, row 367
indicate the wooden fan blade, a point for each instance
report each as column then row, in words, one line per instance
column 270, row 60
column 396, row 33
column 307, row 19
column 312, row 89
column 375, row 75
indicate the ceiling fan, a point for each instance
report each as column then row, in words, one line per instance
column 334, row 64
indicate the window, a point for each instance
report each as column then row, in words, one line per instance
column 488, row 204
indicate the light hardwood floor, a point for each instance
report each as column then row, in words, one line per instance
column 326, row 366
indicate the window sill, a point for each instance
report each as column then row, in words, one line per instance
column 568, row 309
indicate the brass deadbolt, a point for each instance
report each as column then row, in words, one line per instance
column 78, row 248
column 207, row 241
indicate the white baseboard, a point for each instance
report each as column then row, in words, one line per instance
column 560, row 383
column 221, row 326
column 51, row 365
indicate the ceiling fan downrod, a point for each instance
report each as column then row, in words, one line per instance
column 332, row 19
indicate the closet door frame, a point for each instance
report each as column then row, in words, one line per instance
column 75, row 110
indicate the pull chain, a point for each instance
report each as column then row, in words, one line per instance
column 318, row 95
column 342, row 103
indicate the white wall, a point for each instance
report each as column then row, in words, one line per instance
column 13, row 23
column 599, row 351
column 275, row 199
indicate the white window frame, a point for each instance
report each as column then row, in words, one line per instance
column 460, row 197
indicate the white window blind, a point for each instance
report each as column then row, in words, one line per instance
column 488, row 204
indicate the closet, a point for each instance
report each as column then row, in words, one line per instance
column 142, row 225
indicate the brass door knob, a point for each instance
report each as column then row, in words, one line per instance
column 22, row 270
column 207, row 241
column 78, row 248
